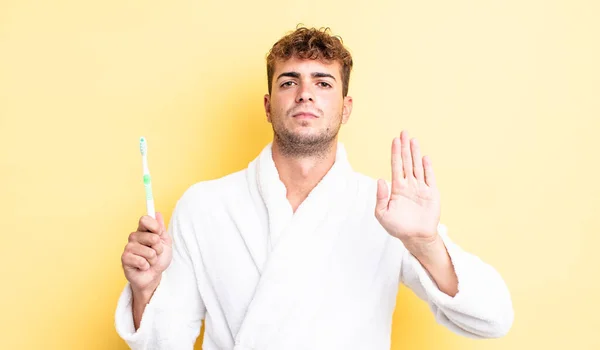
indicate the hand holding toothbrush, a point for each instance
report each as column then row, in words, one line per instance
column 148, row 252
column 146, row 255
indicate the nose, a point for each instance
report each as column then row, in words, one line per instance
column 305, row 94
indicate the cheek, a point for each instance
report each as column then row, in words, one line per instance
column 276, row 112
column 279, row 105
column 334, row 108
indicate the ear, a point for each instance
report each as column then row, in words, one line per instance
column 267, row 102
column 346, row 109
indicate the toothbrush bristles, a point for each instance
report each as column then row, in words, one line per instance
column 143, row 146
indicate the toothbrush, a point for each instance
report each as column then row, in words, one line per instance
column 147, row 179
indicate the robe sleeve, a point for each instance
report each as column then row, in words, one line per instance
column 482, row 308
column 173, row 317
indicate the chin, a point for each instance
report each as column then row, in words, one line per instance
column 305, row 132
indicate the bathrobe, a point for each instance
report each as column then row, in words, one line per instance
column 261, row 276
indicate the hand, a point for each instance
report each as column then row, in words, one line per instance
column 412, row 211
column 147, row 254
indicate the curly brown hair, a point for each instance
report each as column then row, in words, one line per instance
column 311, row 43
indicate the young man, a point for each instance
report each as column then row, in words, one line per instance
column 298, row 251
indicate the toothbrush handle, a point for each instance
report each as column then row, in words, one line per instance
column 149, row 197
column 150, row 206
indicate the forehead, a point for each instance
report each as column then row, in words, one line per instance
column 307, row 66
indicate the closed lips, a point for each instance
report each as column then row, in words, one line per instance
column 304, row 115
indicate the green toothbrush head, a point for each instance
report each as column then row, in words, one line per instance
column 143, row 146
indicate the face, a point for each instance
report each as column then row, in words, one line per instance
column 306, row 106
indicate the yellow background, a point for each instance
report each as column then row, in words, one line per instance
column 503, row 95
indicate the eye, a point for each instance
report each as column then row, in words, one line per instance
column 324, row 84
column 287, row 83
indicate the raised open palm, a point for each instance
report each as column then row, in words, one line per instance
column 411, row 212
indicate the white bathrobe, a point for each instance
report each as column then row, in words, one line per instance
column 325, row 277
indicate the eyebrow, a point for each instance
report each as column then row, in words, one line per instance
column 314, row 75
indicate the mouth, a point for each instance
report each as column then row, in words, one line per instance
column 304, row 115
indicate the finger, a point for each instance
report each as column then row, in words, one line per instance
column 397, row 172
column 146, row 238
column 382, row 197
column 159, row 248
column 417, row 161
column 429, row 176
column 141, row 250
column 133, row 261
column 148, row 224
column 406, row 156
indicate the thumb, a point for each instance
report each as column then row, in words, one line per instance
column 382, row 197
column 164, row 235
column 161, row 222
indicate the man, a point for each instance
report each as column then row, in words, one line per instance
column 298, row 251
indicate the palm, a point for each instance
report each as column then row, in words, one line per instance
column 412, row 210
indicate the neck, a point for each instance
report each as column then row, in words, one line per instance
column 301, row 174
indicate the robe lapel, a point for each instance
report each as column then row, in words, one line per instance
column 298, row 262
column 251, row 221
